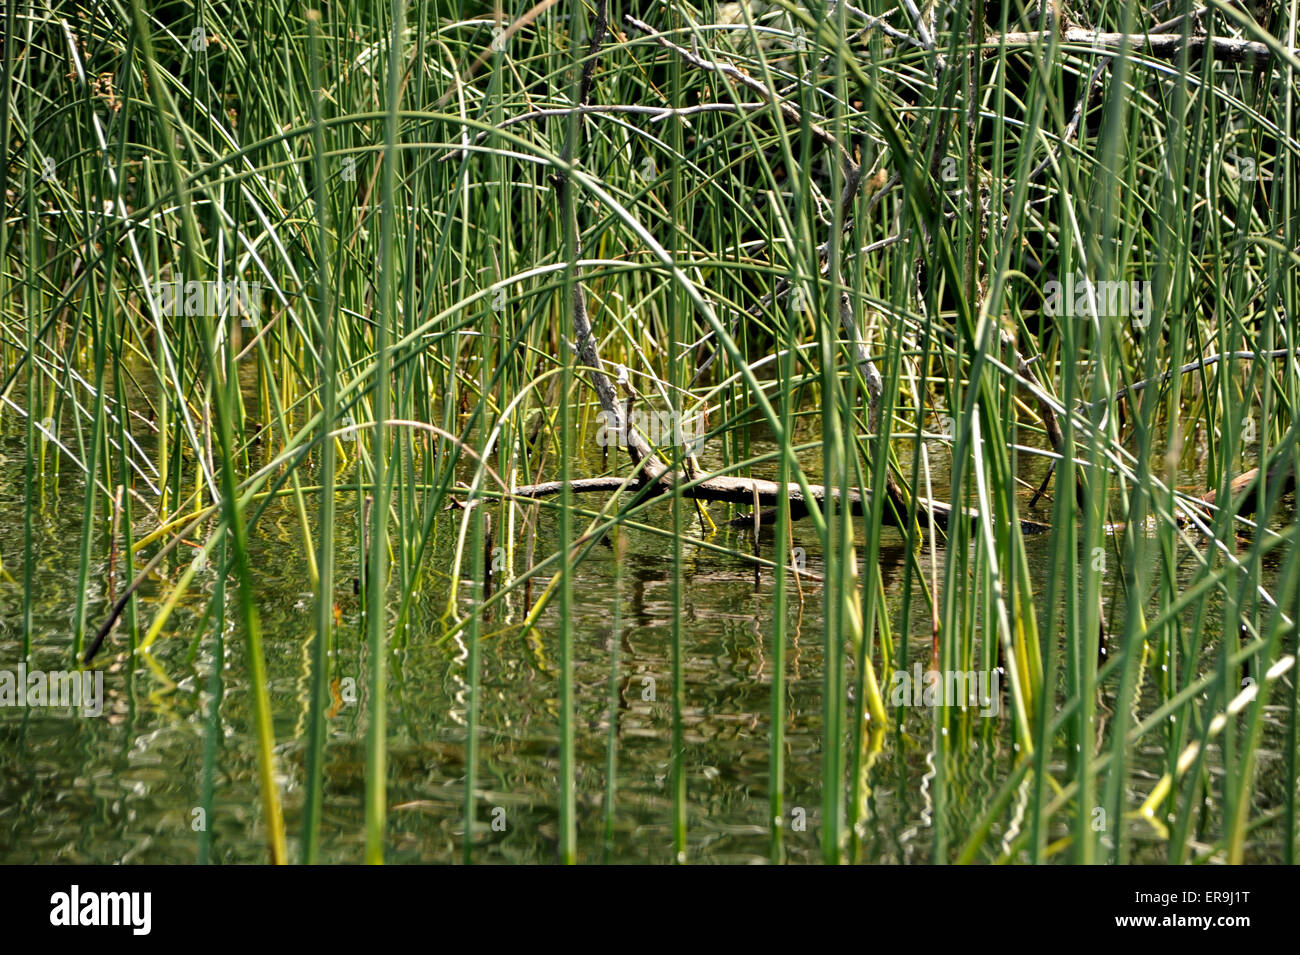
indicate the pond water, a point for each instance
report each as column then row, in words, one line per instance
column 124, row 787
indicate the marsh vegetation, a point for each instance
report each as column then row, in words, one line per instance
column 606, row 431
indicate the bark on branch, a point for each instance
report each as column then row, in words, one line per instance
column 1164, row 46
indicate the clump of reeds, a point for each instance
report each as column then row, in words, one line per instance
column 926, row 258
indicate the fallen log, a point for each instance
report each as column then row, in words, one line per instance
column 1243, row 490
column 767, row 494
column 1165, row 46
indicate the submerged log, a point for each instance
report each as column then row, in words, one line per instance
column 767, row 494
column 1243, row 490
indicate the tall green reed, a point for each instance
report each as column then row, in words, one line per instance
column 978, row 187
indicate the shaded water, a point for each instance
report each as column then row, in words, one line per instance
column 124, row 787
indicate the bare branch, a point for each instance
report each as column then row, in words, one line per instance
column 1162, row 46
